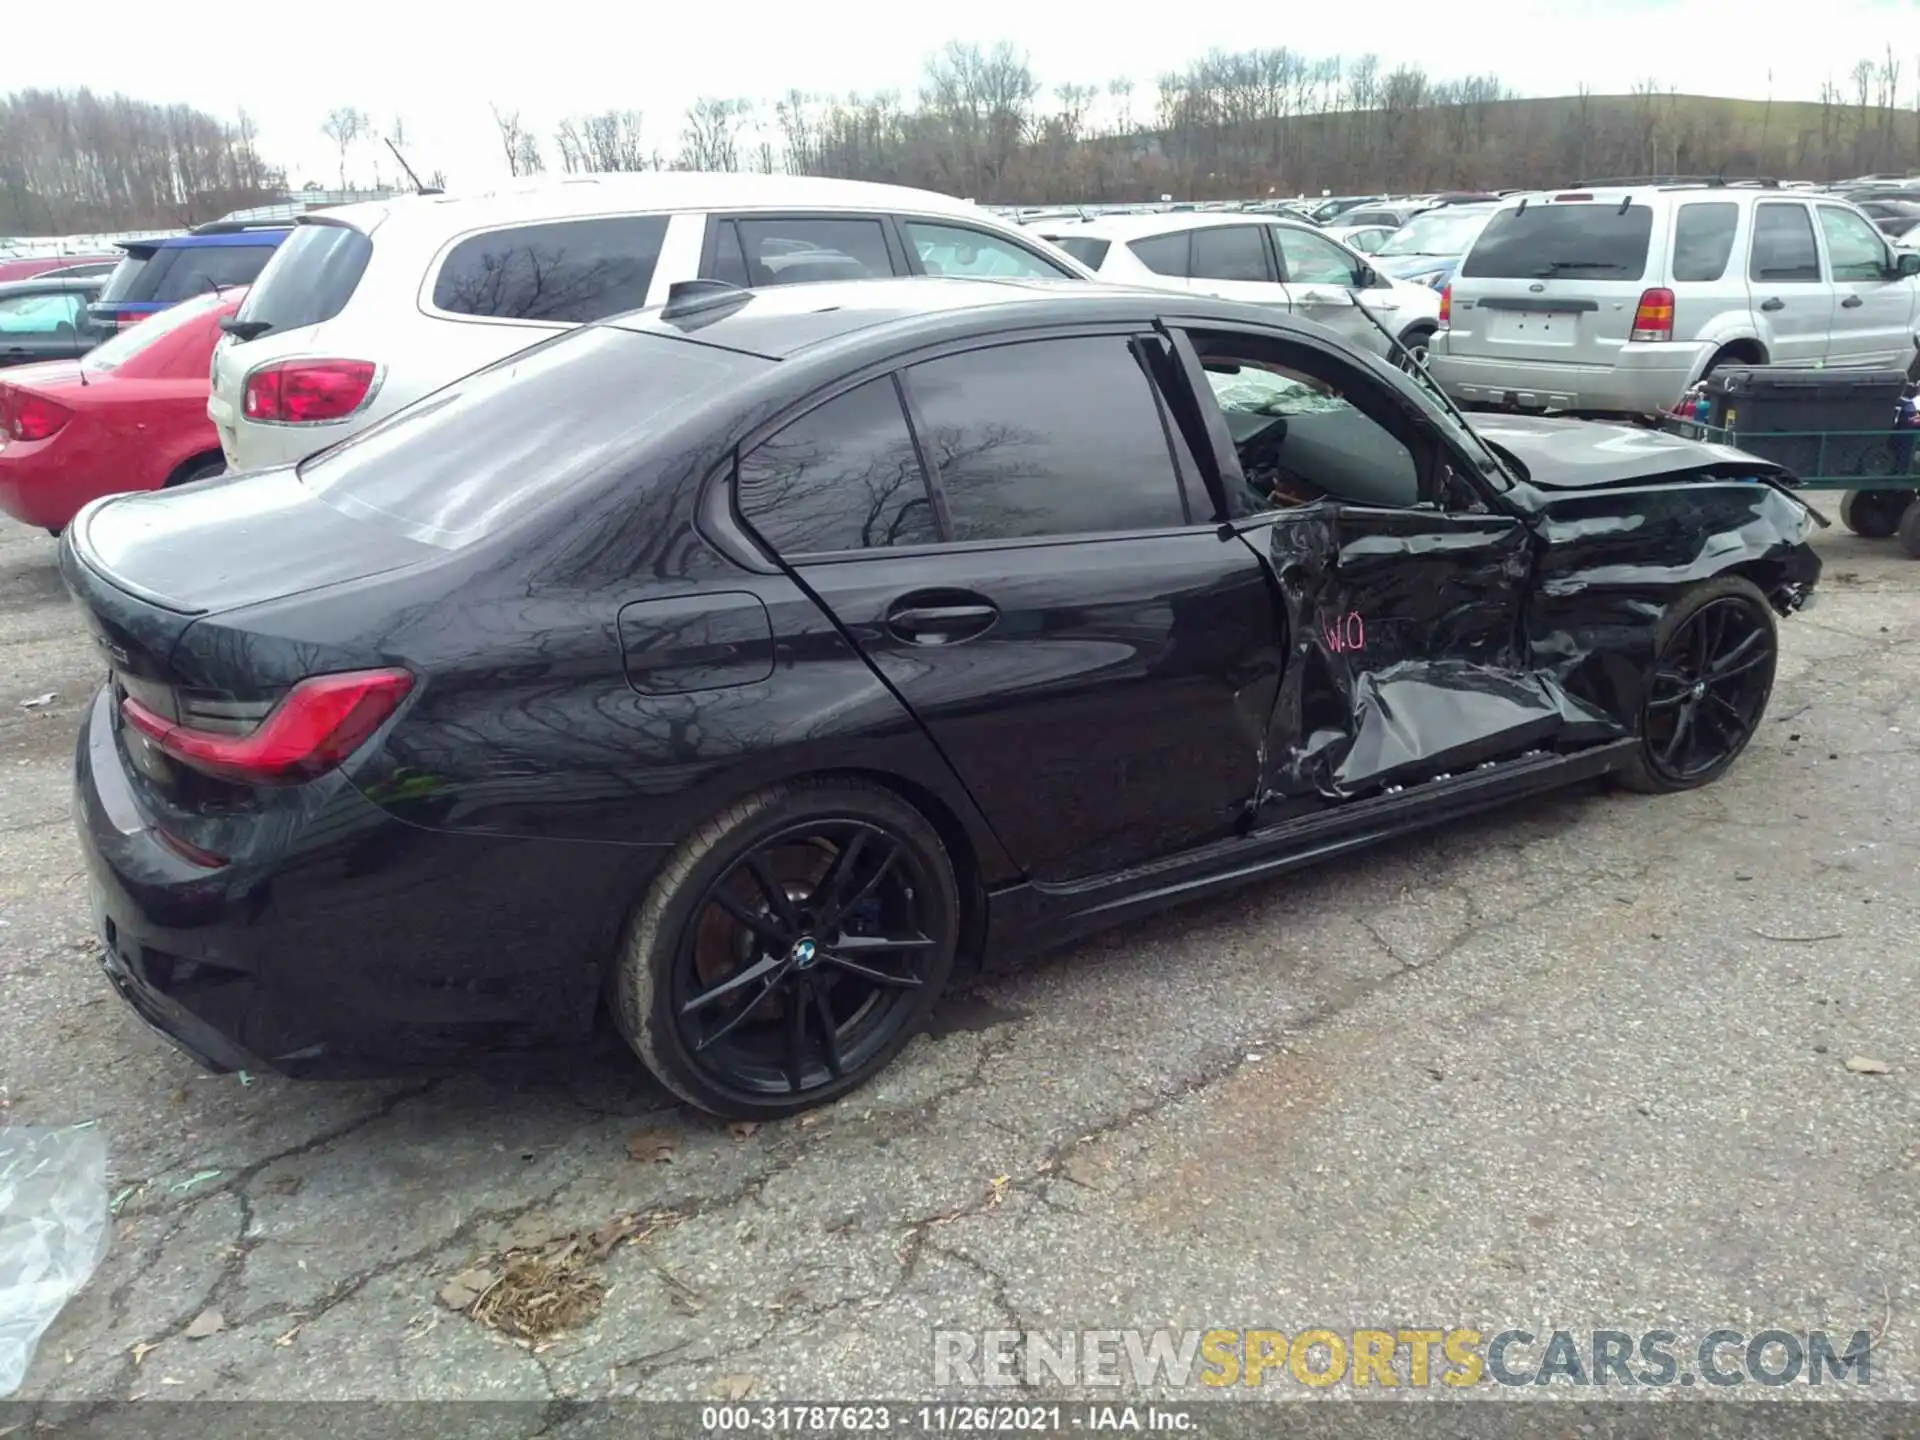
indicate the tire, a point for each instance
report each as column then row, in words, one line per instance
column 203, row 467
column 1417, row 339
column 748, row 882
column 1910, row 529
column 1873, row 514
column 1722, row 715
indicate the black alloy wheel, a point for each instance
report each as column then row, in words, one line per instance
column 1710, row 685
column 790, row 951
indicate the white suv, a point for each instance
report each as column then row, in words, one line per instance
column 1614, row 298
column 367, row 307
column 1287, row 264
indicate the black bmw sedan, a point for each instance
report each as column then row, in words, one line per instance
column 738, row 670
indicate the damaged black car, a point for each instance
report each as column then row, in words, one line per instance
column 740, row 670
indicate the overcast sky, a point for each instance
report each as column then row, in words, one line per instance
column 439, row 66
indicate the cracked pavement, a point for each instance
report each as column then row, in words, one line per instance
column 1574, row 1064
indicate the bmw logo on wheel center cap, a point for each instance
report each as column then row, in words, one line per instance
column 804, row 953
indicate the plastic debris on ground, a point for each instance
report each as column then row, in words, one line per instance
column 53, row 1232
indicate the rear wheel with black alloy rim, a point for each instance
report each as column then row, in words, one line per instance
column 789, row 949
column 1715, row 654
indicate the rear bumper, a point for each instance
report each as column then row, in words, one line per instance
column 1644, row 380
column 361, row 945
column 35, row 487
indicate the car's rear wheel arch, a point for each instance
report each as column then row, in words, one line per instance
column 195, row 467
column 1735, row 352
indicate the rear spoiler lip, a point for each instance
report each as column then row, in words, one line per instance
column 85, row 557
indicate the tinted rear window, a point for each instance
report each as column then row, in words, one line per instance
column 1163, row 254
column 457, row 464
column 1703, row 239
column 311, row 278
column 568, row 272
column 1084, row 248
column 125, row 275
column 1572, row 241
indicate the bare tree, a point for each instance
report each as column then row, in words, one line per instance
column 519, row 144
column 711, row 137
column 345, row 126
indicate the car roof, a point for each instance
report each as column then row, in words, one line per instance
column 1135, row 227
column 784, row 321
column 51, row 284
column 562, row 197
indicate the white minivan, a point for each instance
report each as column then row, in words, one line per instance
column 367, row 307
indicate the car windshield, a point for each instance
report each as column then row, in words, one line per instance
column 1438, row 232
column 127, row 343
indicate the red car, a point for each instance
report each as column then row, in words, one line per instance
column 29, row 266
column 132, row 415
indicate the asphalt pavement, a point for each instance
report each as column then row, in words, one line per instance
column 1582, row 1064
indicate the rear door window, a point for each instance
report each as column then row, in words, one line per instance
column 310, row 278
column 962, row 250
column 1163, row 254
column 1783, row 248
column 1088, row 250
column 1046, row 437
column 1574, row 241
column 569, row 272
column 763, row 250
column 1229, row 252
column 843, row 477
column 1703, row 239
column 42, row 314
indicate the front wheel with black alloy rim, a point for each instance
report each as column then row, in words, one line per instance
column 789, row 949
column 1873, row 514
column 1714, row 658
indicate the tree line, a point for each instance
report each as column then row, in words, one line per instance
column 1243, row 124
column 73, row 162
column 982, row 124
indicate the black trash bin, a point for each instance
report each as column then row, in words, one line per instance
column 1777, row 413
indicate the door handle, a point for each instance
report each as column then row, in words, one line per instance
column 940, row 619
column 1776, row 303
column 1852, row 302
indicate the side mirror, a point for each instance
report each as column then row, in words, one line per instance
column 1365, row 278
column 1907, row 265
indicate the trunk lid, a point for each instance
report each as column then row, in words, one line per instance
column 1554, row 280
column 224, row 544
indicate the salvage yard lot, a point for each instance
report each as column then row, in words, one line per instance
column 1578, row 1064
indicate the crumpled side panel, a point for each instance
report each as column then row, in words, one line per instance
column 1613, row 562
column 1408, row 659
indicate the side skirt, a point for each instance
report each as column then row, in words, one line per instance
column 1034, row 917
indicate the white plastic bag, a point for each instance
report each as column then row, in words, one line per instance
column 53, row 1232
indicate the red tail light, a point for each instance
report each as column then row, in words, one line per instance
column 1446, row 305
column 26, row 416
column 319, row 723
column 305, row 392
column 1653, row 319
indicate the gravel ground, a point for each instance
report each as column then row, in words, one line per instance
column 1580, row 1064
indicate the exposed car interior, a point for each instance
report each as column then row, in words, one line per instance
column 1299, row 439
